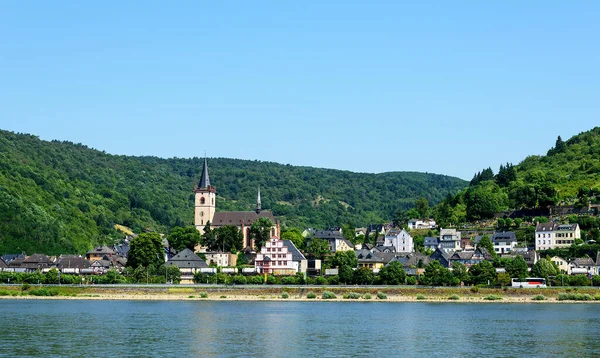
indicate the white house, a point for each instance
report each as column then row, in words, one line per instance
column 504, row 242
column 400, row 240
column 552, row 235
column 421, row 224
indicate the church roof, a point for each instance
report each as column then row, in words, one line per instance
column 238, row 217
column 204, row 179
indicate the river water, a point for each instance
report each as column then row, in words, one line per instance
column 78, row 328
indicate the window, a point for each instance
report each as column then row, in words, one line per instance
column 202, row 200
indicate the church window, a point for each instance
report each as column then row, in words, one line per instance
column 202, row 200
column 202, row 213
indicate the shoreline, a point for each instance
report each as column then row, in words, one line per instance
column 298, row 294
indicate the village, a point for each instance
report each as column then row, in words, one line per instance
column 447, row 256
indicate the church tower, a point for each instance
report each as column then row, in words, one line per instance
column 204, row 200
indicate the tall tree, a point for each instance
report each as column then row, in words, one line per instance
column 229, row 238
column 392, row 274
column 260, row 232
column 145, row 249
column 209, row 238
column 318, row 248
column 544, row 268
column 422, row 206
column 295, row 236
column 517, row 267
column 184, row 237
column 482, row 273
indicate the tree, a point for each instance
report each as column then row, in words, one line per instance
column 364, row 276
column 460, row 271
column 422, row 206
column 295, row 236
column 487, row 244
column 145, row 249
column 318, row 248
column 400, row 218
column 485, row 199
column 181, row 238
column 260, row 231
column 343, row 258
column 348, row 232
column 392, row 274
column 346, row 274
column 229, row 238
column 517, row 267
column 482, row 273
column 209, row 238
column 544, row 268
column 437, row 275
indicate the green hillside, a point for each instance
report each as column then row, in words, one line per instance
column 58, row 197
column 569, row 175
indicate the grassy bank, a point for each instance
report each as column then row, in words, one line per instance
column 310, row 293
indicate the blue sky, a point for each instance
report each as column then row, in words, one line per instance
column 440, row 87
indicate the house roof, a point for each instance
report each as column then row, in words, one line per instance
column 9, row 257
column 462, row 255
column 122, row 249
column 101, row 250
column 296, row 254
column 72, row 261
column 236, row 218
column 3, row 264
column 412, row 259
column 583, row 261
column 37, row 259
column 429, row 241
column 327, row 234
column 505, row 236
column 204, row 179
column 187, row 259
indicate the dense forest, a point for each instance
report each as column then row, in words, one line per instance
column 60, row 197
column 569, row 175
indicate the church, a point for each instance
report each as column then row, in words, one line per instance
column 205, row 211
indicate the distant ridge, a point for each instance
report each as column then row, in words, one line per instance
column 57, row 196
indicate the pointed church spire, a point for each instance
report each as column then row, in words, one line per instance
column 204, row 179
column 258, row 209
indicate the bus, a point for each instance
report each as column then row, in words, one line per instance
column 529, row 282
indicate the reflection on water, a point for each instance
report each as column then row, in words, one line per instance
column 56, row 328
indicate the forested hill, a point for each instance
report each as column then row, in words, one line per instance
column 568, row 175
column 58, row 197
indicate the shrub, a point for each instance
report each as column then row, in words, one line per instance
column 597, row 297
column 255, row 280
column 539, row 298
column 25, row 287
column 191, row 296
column 454, row 297
column 203, row 294
column 574, row 297
column 352, row 296
column 223, row 297
column 333, row 280
column 289, row 280
column 311, row 295
column 381, row 295
column 44, row 292
column 6, row 293
column 475, row 289
column 238, row 280
column 367, row 296
column 328, row 295
column 320, row 280
column 411, row 280
column 285, row 295
column 420, row 297
column 271, row 280
column 492, row 298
